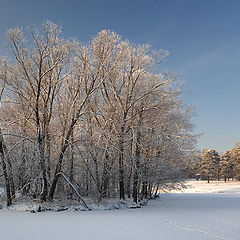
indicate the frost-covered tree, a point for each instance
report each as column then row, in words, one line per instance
column 100, row 116
column 226, row 166
column 235, row 159
column 193, row 166
column 35, row 79
column 4, row 160
column 209, row 168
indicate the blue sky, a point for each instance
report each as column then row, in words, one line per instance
column 202, row 36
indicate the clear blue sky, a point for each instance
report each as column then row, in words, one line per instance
column 203, row 37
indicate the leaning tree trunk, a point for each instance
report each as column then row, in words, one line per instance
column 57, row 171
column 74, row 188
column 5, row 170
column 60, row 160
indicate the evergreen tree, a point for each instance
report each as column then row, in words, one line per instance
column 210, row 168
column 235, row 159
column 226, row 166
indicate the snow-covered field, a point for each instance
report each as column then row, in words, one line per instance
column 178, row 216
column 212, row 187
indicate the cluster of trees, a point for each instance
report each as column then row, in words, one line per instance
column 96, row 120
column 210, row 165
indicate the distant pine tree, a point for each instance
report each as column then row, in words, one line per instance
column 210, row 168
column 226, row 166
column 235, row 159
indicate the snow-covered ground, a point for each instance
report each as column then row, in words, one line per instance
column 178, row 216
column 212, row 187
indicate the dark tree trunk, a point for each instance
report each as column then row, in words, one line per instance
column 149, row 190
column 97, row 179
column 7, row 182
column 71, row 167
column 11, row 177
column 44, row 191
column 121, row 170
column 105, row 178
column 10, row 172
column 136, row 168
column 156, row 191
column 145, row 183
column 48, row 157
column 128, row 190
column 5, row 170
column 105, row 190
column 60, row 160
column 87, row 181
column 144, row 189
column 22, row 169
column 56, row 176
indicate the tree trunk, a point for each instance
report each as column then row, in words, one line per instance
column 105, row 187
column 97, row 179
column 74, row 188
column 128, row 190
column 105, row 178
column 11, row 176
column 87, row 181
column 5, row 170
column 156, row 191
column 60, row 160
column 121, row 170
column 149, row 190
column 22, row 168
column 71, row 167
column 136, row 168
column 144, row 189
column 9, row 167
column 43, row 195
column 48, row 157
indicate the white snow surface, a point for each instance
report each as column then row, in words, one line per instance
column 175, row 216
column 193, row 186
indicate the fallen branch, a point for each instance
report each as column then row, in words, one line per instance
column 74, row 188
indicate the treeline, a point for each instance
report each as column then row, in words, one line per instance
column 98, row 120
column 210, row 165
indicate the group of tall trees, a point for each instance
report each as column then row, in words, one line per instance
column 97, row 119
column 210, row 165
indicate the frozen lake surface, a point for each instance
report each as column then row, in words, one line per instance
column 178, row 216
